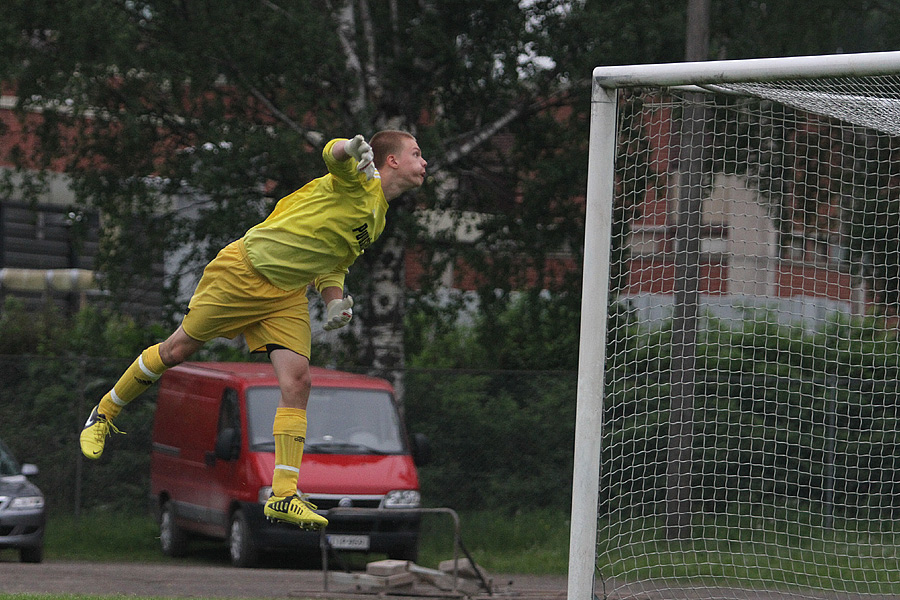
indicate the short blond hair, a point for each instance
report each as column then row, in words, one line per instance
column 387, row 142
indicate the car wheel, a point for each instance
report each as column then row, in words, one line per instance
column 32, row 554
column 172, row 539
column 240, row 542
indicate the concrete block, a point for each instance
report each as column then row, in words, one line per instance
column 384, row 568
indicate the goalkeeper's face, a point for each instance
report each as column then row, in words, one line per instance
column 410, row 164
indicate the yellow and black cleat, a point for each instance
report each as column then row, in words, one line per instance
column 294, row 510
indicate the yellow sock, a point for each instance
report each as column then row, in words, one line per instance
column 290, row 436
column 143, row 372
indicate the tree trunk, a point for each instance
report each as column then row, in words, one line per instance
column 383, row 349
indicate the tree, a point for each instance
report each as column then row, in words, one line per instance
column 793, row 28
column 158, row 109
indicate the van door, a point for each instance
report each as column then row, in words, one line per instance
column 222, row 462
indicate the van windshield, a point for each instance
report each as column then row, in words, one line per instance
column 341, row 421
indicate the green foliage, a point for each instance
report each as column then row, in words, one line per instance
column 780, row 415
column 54, row 369
column 91, row 332
column 226, row 107
column 531, row 331
column 501, row 437
column 792, row 28
column 203, row 115
column 500, row 440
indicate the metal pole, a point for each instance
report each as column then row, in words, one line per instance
column 685, row 321
column 753, row 69
column 592, row 344
column 79, row 457
column 687, row 289
column 830, row 443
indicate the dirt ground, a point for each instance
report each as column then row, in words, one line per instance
column 191, row 581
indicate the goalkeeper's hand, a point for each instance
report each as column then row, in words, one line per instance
column 359, row 149
column 338, row 313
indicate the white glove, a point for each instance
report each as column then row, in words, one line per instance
column 359, row 149
column 338, row 313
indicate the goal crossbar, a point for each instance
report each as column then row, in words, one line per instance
column 607, row 81
column 756, row 69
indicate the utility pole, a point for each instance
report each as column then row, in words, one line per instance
column 688, row 224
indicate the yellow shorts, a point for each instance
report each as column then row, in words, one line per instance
column 233, row 298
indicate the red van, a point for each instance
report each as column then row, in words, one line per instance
column 213, row 455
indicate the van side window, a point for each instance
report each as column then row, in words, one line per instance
column 229, row 414
column 228, row 436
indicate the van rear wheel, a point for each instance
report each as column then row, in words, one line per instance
column 240, row 542
column 172, row 539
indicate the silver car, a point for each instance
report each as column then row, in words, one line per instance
column 22, row 514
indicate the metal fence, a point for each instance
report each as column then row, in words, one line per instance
column 499, row 440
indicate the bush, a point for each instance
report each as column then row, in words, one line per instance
column 500, row 422
column 54, row 370
column 780, row 415
column 499, row 440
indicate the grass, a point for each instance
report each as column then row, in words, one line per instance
column 784, row 552
column 534, row 543
column 102, row 537
column 527, row 543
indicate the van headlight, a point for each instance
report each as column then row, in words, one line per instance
column 264, row 493
column 402, row 499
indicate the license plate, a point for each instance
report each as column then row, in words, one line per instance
column 349, row 542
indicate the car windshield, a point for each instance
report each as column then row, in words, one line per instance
column 8, row 464
column 341, row 421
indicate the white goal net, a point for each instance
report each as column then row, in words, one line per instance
column 738, row 430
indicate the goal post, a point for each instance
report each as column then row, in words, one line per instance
column 742, row 438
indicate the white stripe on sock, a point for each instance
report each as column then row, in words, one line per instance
column 115, row 398
column 288, row 468
column 146, row 370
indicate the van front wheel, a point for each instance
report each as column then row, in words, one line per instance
column 172, row 538
column 240, row 542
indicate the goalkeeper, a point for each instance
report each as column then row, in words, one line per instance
column 257, row 286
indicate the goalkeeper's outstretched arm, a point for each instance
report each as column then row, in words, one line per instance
column 358, row 148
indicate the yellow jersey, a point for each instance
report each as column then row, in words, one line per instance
column 314, row 234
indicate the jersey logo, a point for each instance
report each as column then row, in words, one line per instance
column 362, row 236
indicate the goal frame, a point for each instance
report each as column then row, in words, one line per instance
column 606, row 82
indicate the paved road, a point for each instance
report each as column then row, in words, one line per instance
column 191, row 581
column 178, row 580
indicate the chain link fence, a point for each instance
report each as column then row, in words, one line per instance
column 500, row 440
